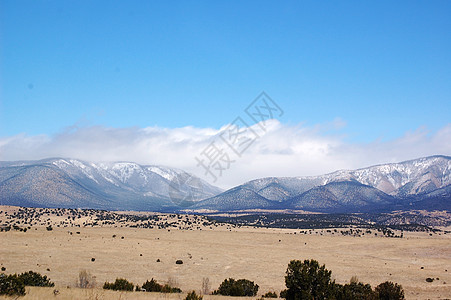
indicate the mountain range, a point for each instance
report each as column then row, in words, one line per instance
column 70, row 183
column 423, row 183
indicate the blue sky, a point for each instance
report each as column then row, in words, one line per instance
column 383, row 67
column 363, row 72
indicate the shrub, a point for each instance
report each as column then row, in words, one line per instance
column 169, row 289
column 270, row 295
column 120, row 284
column 308, row 280
column 241, row 287
column 389, row 291
column 154, row 286
column 31, row 278
column 205, row 285
column 179, row 262
column 193, row 296
column 11, row 285
column 354, row 290
column 85, row 280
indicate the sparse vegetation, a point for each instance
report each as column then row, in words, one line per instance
column 120, row 284
column 270, row 295
column 308, row 280
column 169, row 289
column 154, row 286
column 96, row 218
column 240, row 287
column 193, row 296
column 85, row 280
column 352, row 290
column 384, row 224
column 31, row 278
column 205, row 285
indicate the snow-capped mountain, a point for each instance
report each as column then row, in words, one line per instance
column 389, row 186
column 413, row 177
column 117, row 185
column 423, row 183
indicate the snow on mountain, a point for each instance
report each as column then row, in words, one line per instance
column 341, row 196
column 406, row 178
column 421, row 183
column 115, row 185
column 383, row 186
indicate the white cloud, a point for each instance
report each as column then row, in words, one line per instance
column 284, row 150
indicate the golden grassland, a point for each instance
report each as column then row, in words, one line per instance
column 257, row 254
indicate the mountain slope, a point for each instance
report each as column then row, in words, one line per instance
column 46, row 186
column 119, row 185
column 413, row 177
column 423, row 183
column 409, row 184
column 341, row 197
column 238, row 198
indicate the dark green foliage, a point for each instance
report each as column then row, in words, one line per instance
column 389, row 291
column 120, row 284
column 169, row 289
column 31, row 278
column 283, row 294
column 308, row 280
column 270, row 295
column 154, row 286
column 11, row 285
column 354, row 290
column 49, row 228
column 3, row 269
column 240, row 287
column 193, row 296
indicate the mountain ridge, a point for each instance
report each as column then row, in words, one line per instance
column 115, row 185
column 64, row 182
column 402, row 185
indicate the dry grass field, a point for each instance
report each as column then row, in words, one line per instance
column 260, row 255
